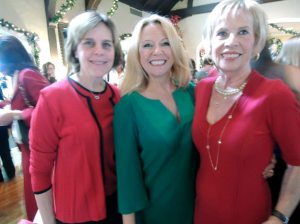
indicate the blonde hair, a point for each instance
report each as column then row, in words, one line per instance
column 136, row 78
column 290, row 52
column 222, row 10
column 77, row 29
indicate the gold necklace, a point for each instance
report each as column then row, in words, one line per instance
column 228, row 91
column 219, row 142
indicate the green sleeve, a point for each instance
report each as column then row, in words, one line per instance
column 132, row 194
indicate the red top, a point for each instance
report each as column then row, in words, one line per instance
column 266, row 113
column 32, row 82
column 71, row 132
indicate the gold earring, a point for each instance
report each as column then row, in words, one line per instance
column 256, row 57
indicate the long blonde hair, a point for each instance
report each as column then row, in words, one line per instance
column 136, row 78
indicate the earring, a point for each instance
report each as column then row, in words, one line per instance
column 256, row 57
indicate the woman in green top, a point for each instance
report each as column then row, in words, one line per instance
column 156, row 160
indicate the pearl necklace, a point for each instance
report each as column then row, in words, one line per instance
column 219, row 141
column 228, row 91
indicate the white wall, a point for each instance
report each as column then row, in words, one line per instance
column 28, row 15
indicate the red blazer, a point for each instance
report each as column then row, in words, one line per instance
column 69, row 136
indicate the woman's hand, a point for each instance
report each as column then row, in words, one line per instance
column 269, row 170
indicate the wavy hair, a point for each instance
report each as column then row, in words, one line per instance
column 136, row 78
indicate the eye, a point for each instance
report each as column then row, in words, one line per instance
column 244, row 32
column 165, row 43
column 89, row 43
column 147, row 45
column 222, row 34
column 107, row 44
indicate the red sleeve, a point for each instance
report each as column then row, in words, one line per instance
column 33, row 82
column 44, row 139
column 284, row 120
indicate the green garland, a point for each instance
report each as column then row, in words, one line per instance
column 32, row 38
column 113, row 9
column 124, row 36
column 62, row 11
column 281, row 29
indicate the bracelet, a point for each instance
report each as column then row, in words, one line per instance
column 282, row 217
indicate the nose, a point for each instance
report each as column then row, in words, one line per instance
column 231, row 40
column 157, row 50
column 98, row 49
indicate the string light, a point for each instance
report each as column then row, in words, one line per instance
column 113, row 9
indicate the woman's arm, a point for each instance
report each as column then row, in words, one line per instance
column 45, row 205
column 289, row 195
column 129, row 218
column 7, row 116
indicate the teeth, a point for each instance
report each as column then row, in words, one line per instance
column 230, row 55
column 98, row 62
column 158, row 62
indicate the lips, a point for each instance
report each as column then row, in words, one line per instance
column 158, row 62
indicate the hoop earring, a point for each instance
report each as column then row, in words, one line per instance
column 256, row 57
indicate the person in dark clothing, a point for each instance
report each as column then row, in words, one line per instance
column 5, row 150
column 267, row 67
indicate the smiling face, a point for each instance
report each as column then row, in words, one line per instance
column 95, row 52
column 233, row 43
column 156, row 56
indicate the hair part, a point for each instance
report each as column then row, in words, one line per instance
column 78, row 28
column 136, row 78
column 232, row 7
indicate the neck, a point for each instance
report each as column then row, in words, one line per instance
column 160, row 86
column 94, row 84
column 234, row 80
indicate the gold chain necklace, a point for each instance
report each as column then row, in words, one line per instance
column 219, row 142
column 228, row 91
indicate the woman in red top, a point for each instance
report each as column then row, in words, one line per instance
column 17, row 63
column 72, row 162
column 239, row 116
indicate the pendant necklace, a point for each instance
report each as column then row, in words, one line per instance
column 215, row 164
column 97, row 97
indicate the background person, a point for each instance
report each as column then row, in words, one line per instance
column 72, row 162
column 17, row 63
column 238, row 119
column 5, row 155
column 49, row 72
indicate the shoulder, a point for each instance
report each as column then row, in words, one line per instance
column 126, row 101
column 29, row 75
column 275, row 90
column 59, row 88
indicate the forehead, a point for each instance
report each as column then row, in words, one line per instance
column 153, row 31
column 99, row 31
column 235, row 18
